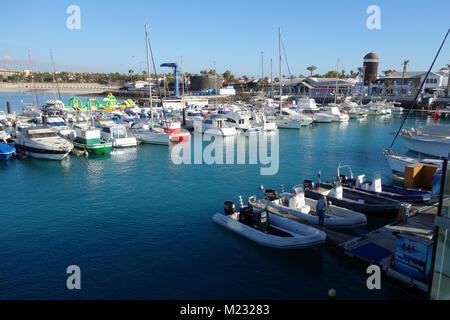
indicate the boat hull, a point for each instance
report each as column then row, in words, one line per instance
column 434, row 147
column 153, row 138
column 336, row 218
column 302, row 236
column 399, row 193
column 42, row 153
column 95, row 149
column 360, row 201
column 6, row 151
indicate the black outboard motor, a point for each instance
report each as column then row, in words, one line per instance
column 308, row 184
column 245, row 215
column 229, row 208
column 343, row 178
column 271, row 194
column 260, row 220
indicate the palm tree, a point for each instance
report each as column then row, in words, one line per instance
column 405, row 63
column 311, row 69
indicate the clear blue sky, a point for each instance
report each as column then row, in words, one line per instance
column 232, row 33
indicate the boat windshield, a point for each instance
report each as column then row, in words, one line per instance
column 42, row 135
column 56, row 124
column 118, row 133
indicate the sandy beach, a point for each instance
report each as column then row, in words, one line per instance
column 76, row 88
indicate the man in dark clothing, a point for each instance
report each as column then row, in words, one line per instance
column 321, row 207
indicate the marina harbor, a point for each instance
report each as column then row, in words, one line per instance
column 232, row 172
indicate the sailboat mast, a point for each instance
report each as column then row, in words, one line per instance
column 148, row 72
column 337, row 77
column 35, row 97
column 52, row 66
column 262, row 72
column 271, row 79
column 279, row 49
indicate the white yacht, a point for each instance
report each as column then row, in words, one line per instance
column 353, row 110
column 259, row 119
column 432, row 140
column 60, row 126
column 118, row 136
column 337, row 115
column 215, row 127
column 42, row 143
column 154, row 134
column 241, row 121
column 309, row 107
column 286, row 119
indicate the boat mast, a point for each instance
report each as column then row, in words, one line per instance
column 271, row 79
column 279, row 49
column 35, row 96
column 337, row 77
column 262, row 73
column 149, row 75
column 52, row 62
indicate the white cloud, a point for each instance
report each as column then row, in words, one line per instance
column 6, row 58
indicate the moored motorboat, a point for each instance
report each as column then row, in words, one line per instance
column 88, row 139
column 303, row 208
column 355, row 200
column 383, row 190
column 117, row 135
column 42, row 143
column 398, row 162
column 6, row 151
column 268, row 229
column 432, row 139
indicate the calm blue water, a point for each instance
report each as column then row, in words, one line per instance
column 140, row 226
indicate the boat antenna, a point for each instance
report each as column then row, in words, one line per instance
column 241, row 202
column 154, row 70
column 420, row 89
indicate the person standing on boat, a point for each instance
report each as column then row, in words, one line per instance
column 321, row 207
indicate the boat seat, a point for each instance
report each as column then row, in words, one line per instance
column 323, row 191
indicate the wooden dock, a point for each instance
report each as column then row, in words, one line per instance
column 420, row 224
